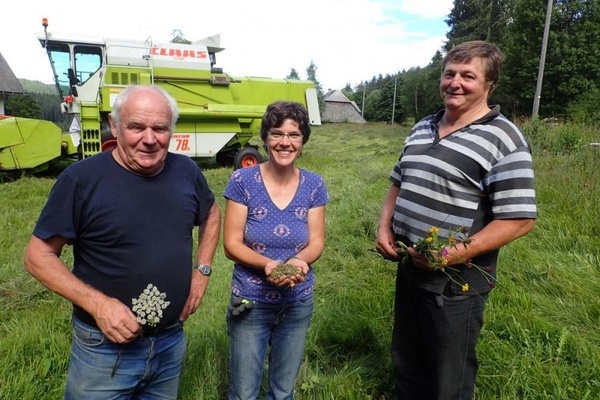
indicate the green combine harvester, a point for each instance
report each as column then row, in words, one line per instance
column 219, row 113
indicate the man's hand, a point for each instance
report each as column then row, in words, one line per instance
column 386, row 244
column 197, row 290
column 116, row 320
column 420, row 260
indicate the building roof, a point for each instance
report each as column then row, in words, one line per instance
column 9, row 84
column 338, row 108
column 337, row 96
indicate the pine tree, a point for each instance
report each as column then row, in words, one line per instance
column 477, row 20
column 311, row 73
column 293, row 75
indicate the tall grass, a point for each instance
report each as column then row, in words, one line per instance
column 540, row 339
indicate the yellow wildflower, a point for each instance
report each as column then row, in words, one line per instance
column 465, row 287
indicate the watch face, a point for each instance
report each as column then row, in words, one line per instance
column 204, row 269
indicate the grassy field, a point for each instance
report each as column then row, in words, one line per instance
column 540, row 339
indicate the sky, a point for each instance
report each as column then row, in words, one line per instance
column 349, row 41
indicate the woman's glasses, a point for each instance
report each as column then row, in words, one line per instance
column 293, row 136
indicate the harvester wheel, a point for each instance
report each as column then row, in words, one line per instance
column 109, row 145
column 247, row 157
column 225, row 158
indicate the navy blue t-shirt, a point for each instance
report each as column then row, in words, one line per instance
column 128, row 230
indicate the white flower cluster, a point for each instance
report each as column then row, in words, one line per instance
column 148, row 307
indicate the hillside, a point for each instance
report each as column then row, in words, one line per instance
column 38, row 87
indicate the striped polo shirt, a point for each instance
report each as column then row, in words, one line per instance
column 479, row 173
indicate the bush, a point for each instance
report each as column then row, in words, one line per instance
column 558, row 138
column 585, row 108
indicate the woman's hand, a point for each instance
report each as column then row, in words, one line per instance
column 290, row 277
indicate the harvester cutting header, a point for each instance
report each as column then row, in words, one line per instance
column 219, row 114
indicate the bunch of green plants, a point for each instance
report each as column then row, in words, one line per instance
column 437, row 252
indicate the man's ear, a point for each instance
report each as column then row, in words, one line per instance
column 492, row 88
column 113, row 128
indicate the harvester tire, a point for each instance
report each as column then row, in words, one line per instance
column 247, row 157
column 109, row 145
column 225, row 158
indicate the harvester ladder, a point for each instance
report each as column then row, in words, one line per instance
column 91, row 134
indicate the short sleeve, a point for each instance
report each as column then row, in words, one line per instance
column 320, row 194
column 235, row 189
column 59, row 215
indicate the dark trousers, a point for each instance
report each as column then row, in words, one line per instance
column 433, row 343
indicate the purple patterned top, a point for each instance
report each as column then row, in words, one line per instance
column 276, row 233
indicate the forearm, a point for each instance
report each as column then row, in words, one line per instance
column 386, row 243
column 244, row 255
column 44, row 264
column 238, row 252
column 235, row 249
column 208, row 236
column 316, row 233
column 387, row 210
column 496, row 234
column 312, row 252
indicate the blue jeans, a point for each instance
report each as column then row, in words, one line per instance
column 282, row 327
column 147, row 368
column 433, row 343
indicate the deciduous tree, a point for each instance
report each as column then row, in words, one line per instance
column 572, row 65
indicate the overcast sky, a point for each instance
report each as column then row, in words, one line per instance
column 348, row 40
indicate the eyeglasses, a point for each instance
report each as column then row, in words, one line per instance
column 293, row 137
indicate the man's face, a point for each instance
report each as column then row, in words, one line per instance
column 144, row 133
column 463, row 86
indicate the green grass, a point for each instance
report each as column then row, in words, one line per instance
column 540, row 339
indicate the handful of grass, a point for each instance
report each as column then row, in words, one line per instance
column 285, row 269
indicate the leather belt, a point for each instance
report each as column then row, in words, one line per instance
column 152, row 331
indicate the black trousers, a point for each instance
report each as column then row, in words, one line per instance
column 433, row 343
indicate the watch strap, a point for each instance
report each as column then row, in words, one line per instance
column 204, row 269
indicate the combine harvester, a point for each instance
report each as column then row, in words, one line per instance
column 219, row 113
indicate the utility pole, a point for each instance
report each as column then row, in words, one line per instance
column 538, row 87
column 362, row 110
column 394, row 104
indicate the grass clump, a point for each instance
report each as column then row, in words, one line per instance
column 285, row 269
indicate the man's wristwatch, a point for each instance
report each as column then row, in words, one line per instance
column 204, row 269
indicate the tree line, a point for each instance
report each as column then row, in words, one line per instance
column 571, row 81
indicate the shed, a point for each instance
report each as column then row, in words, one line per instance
column 338, row 108
column 9, row 84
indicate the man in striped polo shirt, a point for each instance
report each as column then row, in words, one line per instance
column 465, row 168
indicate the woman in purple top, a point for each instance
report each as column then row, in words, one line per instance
column 275, row 213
